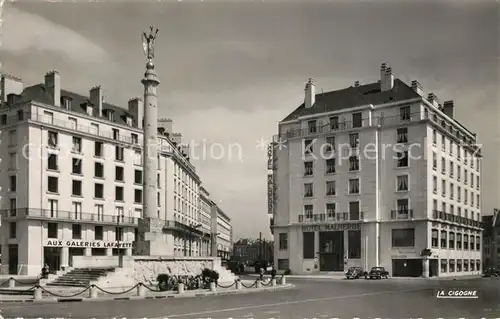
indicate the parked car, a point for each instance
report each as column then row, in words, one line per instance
column 377, row 273
column 491, row 272
column 355, row 273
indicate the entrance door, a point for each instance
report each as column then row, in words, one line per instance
column 52, row 257
column 13, row 259
column 433, row 267
column 331, row 251
column 73, row 251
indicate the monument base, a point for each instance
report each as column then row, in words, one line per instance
column 152, row 241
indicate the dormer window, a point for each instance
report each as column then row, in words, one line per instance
column 89, row 109
column 128, row 119
column 66, row 102
column 110, row 114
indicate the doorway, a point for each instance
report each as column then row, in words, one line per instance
column 73, row 251
column 433, row 267
column 52, row 257
column 331, row 254
column 13, row 259
column 407, row 267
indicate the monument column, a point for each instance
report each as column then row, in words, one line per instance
column 151, row 241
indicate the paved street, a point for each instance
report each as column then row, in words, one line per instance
column 311, row 298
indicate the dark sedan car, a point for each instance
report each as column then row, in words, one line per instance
column 377, row 273
column 354, row 273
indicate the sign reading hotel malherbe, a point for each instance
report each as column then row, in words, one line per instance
column 85, row 244
column 331, row 227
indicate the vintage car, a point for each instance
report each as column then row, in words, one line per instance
column 354, row 273
column 491, row 272
column 377, row 273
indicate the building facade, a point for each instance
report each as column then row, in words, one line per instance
column 491, row 240
column 223, row 245
column 206, row 221
column 377, row 175
column 72, row 178
column 250, row 250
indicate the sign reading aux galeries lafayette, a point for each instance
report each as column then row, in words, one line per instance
column 86, row 244
column 332, row 227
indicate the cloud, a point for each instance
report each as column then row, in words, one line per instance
column 24, row 31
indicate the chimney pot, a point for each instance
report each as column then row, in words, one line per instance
column 136, row 109
column 53, row 85
column 356, row 83
column 96, row 98
column 417, row 87
column 449, row 108
column 310, row 93
column 386, row 78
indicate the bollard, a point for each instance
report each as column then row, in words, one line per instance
column 141, row 290
column 37, row 294
column 93, row 292
column 180, row 288
column 259, row 284
column 273, row 282
column 12, row 282
column 238, row 285
column 212, row 286
column 283, row 280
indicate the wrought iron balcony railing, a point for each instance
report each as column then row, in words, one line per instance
column 187, row 229
column 59, row 215
column 330, row 217
column 402, row 214
column 456, row 219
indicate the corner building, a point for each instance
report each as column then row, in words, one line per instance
column 72, row 179
column 377, row 174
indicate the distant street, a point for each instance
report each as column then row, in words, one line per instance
column 311, row 298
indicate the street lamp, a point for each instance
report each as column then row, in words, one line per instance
column 191, row 228
column 118, row 235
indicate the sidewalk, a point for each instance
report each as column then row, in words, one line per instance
column 342, row 277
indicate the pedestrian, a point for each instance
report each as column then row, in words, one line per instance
column 273, row 272
column 45, row 271
column 262, row 273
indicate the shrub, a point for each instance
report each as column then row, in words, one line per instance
column 163, row 282
column 209, row 275
column 287, row 272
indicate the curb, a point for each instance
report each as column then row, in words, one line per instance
column 172, row 296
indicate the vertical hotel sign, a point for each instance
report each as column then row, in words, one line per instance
column 270, row 179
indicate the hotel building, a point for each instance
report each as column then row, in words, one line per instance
column 376, row 174
column 72, row 178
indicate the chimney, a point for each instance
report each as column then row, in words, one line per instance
column 96, row 98
column 11, row 99
column 383, row 66
column 432, row 98
column 10, row 84
column 356, row 83
column 185, row 149
column 387, row 82
column 53, row 86
column 176, row 138
column 166, row 125
column 310, row 96
column 417, row 87
column 449, row 108
column 136, row 108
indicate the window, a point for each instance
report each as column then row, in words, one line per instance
column 308, row 147
column 98, row 232
column 459, row 265
column 77, row 231
column 357, row 120
column 283, row 264
column 119, row 173
column 119, row 193
column 443, row 143
column 138, row 177
column 99, row 211
column 330, row 188
column 312, row 127
column 308, row 245
column 98, row 149
column 459, row 152
column 330, row 144
column 116, row 134
column 452, row 265
column 459, row 173
column 451, row 241
column 477, row 200
column 477, row 182
column 12, row 230
column 98, row 190
column 354, row 244
column 466, row 196
column 353, row 163
column 403, row 237
column 466, row 242
column 444, row 265
column 53, row 208
column 119, row 213
column 459, row 241
column 330, row 166
column 466, row 265
column 308, row 168
column 452, row 146
column 402, row 159
column 434, row 184
column 478, row 243
column 402, row 135
column 52, row 162
column 138, row 158
column 402, row 183
column 77, row 145
column 52, row 139
column 138, row 196
column 119, row 151
column 434, row 137
column 443, row 186
column 452, row 188
column 118, row 233
column 472, row 265
column 308, row 190
column 434, row 238
column 52, row 230
column 13, row 183
column 13, row 161
column 76, row 188
column 354, row 213
column 444, row 238
column 53, row 184
column 308, row 211
column 283, row 241
column 452, row 169
column 77, row 210
column 354, row 140
column 403, row 206
column 330, row 210
column 135, row 138
column 354, row 186
column 13, row 207
column 76, row 166
column 98, row 170
column 404, row 113
column 434, row 161
column 471, row 198
column 472, row 179
column 334, row 123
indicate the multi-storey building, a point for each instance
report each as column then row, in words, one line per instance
column 377, row 175
column 71, row 171
column 206, row 221
column 491, row 240
column 223, row 230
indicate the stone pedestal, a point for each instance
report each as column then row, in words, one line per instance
column 152, row 241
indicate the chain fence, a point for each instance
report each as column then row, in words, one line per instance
column 20, row 282
column 226, row 287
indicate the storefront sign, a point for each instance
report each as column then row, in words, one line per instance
column 85, row 244
column 270, row 194
column 332, row 227
column 270, row 156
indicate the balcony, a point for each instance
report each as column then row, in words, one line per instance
column 58, row 215
column 327, row 128
column 402, row 214
column 464, row 221
column 329, row 217
column 180, row 227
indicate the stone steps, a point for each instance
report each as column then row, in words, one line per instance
column 81, row 277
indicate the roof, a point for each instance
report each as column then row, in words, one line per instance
column 40, row 93
column 354, row 97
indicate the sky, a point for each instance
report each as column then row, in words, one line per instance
column 231, row 71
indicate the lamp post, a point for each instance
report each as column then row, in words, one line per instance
column 118, row 235
column 191, row 228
